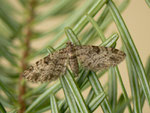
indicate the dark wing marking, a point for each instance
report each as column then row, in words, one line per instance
column 49, row 68
column 98, row 58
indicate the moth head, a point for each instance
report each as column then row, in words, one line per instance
column 69, row 44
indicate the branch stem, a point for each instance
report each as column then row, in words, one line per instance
column 26, row 43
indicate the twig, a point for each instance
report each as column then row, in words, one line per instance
column 27, row 41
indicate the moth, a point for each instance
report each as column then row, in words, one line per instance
column 54, row 65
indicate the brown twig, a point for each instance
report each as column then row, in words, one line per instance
column 29, row 33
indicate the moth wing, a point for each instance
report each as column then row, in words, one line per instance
column 98, row 58
column 49, row 68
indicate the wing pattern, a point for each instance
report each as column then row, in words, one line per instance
column 98, row 58
column 49, row 68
